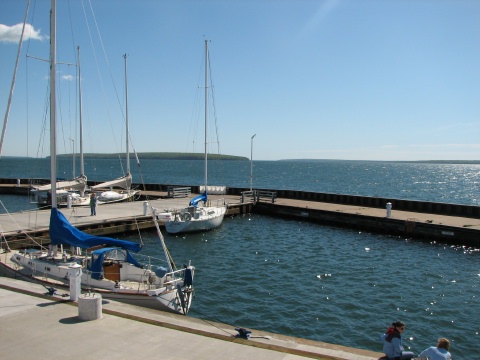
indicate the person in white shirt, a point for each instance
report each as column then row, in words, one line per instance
column 439, row 352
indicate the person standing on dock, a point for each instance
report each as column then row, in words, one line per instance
column 93, row 205
column 393, row 343
column 439, row 352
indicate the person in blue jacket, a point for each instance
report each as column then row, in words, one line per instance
column 93, row 205
column 439, row 352
column 393, row 343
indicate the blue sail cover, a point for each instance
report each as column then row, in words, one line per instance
column 62, row 232
column 197, row 199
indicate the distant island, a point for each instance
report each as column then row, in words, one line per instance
column 201, row 156
column 160, row 156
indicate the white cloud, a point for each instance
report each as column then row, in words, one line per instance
column 11, row 34
column 67, row 77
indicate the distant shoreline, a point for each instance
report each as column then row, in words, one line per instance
column 145, row 156
column 201, row 156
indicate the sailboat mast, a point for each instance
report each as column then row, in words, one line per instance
column 9, row 103
column 206, row 111
column 126, row 115
column 53, row 130
column 82, row 167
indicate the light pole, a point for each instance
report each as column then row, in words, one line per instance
column 73, row 156
column 251, row 161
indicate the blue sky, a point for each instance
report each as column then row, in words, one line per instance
column 344, row 79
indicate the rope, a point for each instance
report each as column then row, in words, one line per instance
column 5, row 240
column 21, row 230
column 209, row 323
column 225, row 331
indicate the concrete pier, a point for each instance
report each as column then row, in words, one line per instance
column 36, row 325
column 446, row 223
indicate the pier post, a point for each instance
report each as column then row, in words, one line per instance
column 389, row 209
column 75, row 276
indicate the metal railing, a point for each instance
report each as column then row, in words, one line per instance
column 179, row 192
column 258, row 195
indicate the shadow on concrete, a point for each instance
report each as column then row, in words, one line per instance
column 70, row 320
column 50, row 303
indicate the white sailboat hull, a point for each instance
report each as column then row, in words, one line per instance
column 124, row 182
column 103, row 198
column 79, row 183
column 196, row 219
column 134, row 286
column 107, row 197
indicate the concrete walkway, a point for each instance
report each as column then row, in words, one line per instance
column 455, row 221
column 36, row 325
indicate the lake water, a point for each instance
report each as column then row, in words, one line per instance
column 318, row 282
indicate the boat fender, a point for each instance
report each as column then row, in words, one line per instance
column 188, row 279
column 187, row 216
column 151, row 279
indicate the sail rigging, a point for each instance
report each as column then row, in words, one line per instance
column 111, row 271
column 195, row 217
column 12, row 87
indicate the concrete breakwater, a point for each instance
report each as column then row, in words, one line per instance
column 442, row 222
column 20, row 186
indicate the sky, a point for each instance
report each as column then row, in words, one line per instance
column 324, row 79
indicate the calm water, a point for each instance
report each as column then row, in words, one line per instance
column 417, row 181
column 317, row 282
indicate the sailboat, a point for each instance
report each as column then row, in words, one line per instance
column 108, row 265
column 72, row 193
column 195, row 217
column 69, row 193
column 124, row 182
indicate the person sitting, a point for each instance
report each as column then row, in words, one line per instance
column 439, row 352
column 393, row 343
